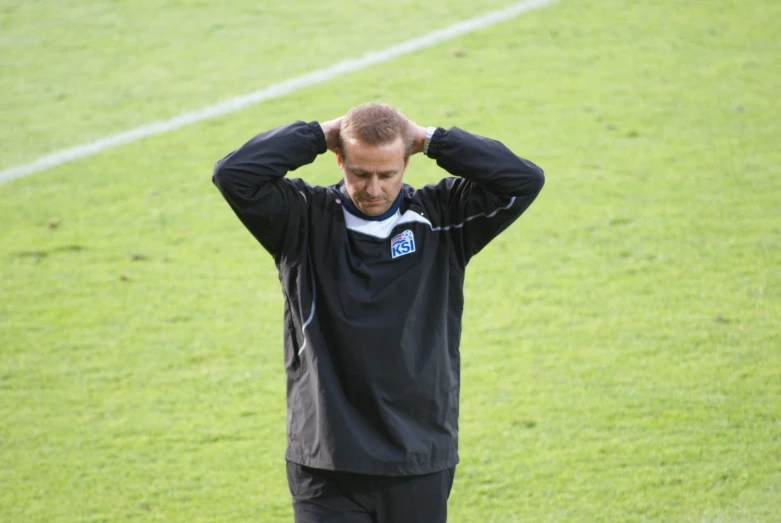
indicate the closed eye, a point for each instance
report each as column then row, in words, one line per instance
column 384, row 174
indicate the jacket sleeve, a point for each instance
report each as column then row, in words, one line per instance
column 494, row 187
column 252, row 180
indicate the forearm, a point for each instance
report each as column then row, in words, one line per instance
column 486, row 162
column 270, row 155
column 252, row 180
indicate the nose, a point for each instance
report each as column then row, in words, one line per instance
column 373, row 187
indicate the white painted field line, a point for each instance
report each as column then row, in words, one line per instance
column 272, row 91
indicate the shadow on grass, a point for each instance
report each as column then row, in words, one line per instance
column 39, row 255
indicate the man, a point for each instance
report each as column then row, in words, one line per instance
column 372, row 273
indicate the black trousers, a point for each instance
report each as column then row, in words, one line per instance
column 326, row 496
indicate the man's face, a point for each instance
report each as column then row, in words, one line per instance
column 373, row 173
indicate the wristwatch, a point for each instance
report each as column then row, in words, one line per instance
column 429, row 133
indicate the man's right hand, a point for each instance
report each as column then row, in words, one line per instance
column 331, row 130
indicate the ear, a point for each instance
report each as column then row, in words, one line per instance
column 339, row 159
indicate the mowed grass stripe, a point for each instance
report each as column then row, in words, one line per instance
column 273, row 91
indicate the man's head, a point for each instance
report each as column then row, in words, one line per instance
column 373, row 153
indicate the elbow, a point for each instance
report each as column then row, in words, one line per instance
column 540, row 178
column 222, row 178
column 534, row 169
column 535, row 176
column 222, row 168
column 216, row 174
column 223, row 175
column 218, row 171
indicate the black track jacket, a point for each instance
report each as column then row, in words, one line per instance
column 373, row 303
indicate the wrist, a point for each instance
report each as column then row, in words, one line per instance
column 429, row 134
column 418, row 137
column 331, row 130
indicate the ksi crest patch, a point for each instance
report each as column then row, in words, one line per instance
column 403, row 243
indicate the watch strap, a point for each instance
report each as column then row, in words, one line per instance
column 429, row 134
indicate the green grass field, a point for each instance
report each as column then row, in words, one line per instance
column 622, row 341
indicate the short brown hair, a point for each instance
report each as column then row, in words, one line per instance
column 375, row 123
